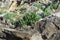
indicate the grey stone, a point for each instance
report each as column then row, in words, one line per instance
column 5, row 3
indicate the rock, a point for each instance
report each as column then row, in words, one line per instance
column 2, row 35
column 5, row 3
column 9, row 5
column 17, row 33
column 36, row 36
column 49, row 26
column 49, row 29
column 57, row 14
column 13, row 6
column 46, row 29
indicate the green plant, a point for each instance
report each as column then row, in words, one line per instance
column 38, row 5
column 55, row 4
column 2, row 11
column 12, row 21
column 28, row 19
column 48, row 9
column 9, row 16
column 21, row 8
column 31, row 17
column 20, row 22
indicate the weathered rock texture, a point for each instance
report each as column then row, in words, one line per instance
column 10, row 5
column 46, row 29
column 5, row 3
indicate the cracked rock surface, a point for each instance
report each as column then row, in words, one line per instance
column 49, row 27
column 46, row 29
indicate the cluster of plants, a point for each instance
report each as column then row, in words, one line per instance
column 48, row 9
column 30, row 17
column 53, row 5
